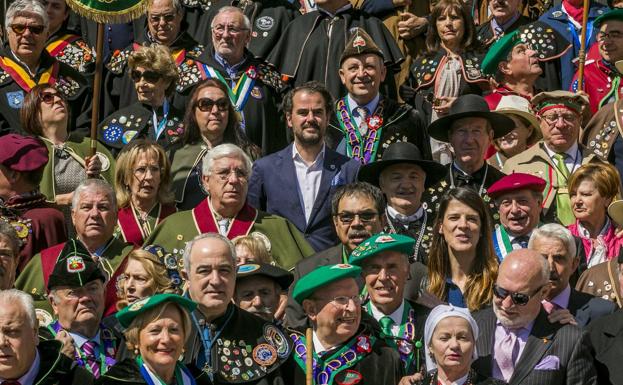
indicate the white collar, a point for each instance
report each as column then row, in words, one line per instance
column 393, row 213
column 318, row 346
column 297, row 156
column 79, row 339
column 371, row 107
column 29, row 377
column 396, row 316
column 571, row 152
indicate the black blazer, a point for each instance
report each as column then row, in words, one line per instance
column 586, row 308
column 606, row 335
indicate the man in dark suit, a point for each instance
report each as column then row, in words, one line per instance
column 517, row 343
column 555, row 243
column 606, row 335
column 297, row 182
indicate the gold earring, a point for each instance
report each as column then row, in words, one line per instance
column 136, row 351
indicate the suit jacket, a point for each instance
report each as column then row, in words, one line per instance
column 606, row 335
column 274, row 188
column 587, row 308
column 546, row 343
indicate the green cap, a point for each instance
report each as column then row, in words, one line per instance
column 128, row 313
column 615, row 14
column 322, row 276
column 379, row 243
column 498, row 52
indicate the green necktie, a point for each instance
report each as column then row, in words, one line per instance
column 563, row 204
column 386, row 325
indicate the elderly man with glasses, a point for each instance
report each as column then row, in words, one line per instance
column 225, row 176
column 558, row 154
column 517, row 342
column 24, row 63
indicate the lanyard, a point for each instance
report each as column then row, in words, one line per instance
column 208, row 341
column 159, row 126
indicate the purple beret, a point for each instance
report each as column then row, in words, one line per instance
column 516, row 181
column 22, row 153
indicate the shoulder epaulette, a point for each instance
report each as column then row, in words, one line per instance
column 196, row 51
column 204, row 5
column 118, row 61
column 68, row 86
column 270, row 76
column 189, row 75
column 471, row 63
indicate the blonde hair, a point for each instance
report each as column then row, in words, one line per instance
column 132, row 333
column 256, row 246
column 124, row 171
column 157, row 272
column 158, row 59
column 604, row 175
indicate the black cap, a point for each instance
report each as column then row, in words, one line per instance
column 74, row 267
column 283, row 277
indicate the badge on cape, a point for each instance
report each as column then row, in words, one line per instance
column 277, row 339
column 351, row 377
column 75, row 264
column 15, row 99
column 265, row 23
column 103, row 160
column 264, row 354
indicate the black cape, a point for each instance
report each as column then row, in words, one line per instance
column 305, row 53
column 486, row 35
column 56, row 368
column 128, row 372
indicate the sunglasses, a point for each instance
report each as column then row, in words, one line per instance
column 168, row 18
column 48, row 97
column 149, row 76
column 21, row 28
column 519, row 299
column 205, row 104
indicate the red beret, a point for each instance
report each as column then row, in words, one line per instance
column 516, row 181
column 22, row 153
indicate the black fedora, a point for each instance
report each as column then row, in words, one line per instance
column 470, row 106
column 402, row 152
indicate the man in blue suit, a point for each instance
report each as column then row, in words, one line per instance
column 298, row 182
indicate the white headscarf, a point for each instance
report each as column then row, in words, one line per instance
column 437, row 314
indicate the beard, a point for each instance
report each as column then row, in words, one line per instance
column 308, row 139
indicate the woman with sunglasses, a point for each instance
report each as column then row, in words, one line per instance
column 143, row 189
column 155, row 76
column 46, row 114
column 210, row 120
column 462, row 266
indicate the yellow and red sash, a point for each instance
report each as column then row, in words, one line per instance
column 57, row 46
column 206, row 222
column 23, row 79
column 130, row 226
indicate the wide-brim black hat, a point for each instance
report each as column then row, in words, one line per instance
column 470, row 106
column 283, row 277
column 402, row 152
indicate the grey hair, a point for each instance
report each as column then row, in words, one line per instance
column 189, row 248
column 226, row 150
column 93, row 184
column 8, row 231
column 26, row 8
column 177, row 5
column 24, row 300
column 545, row 270
column 555, row 231
column 230, row 9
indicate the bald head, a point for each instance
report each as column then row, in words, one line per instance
column 525, row 265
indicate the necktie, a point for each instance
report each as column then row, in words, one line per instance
column 223, row 226
column 363, row 126
column 563, row 204
column 386, row 325
column 522, row 241
column 505, row 354
column 550, row 306
column 88, row 348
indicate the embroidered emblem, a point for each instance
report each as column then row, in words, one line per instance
column 264, row 354
column 351, row 377
column 128, row 136
column 278, row 340
column 15, row 99
column 112, row 133
column 247, row 268
column 385, row 239
column 75, row 264
column 265, row 23
column 138, row 305
column 341, row 266
column 256, row 92
column 359, row 42
column 103, row 160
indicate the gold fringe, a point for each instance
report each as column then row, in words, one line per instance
column 106, row 17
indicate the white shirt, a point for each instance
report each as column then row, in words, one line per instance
column 396, row 316
column 308, row 178
column 318, row 346
column 370, row 106
column 29, row 377
column 79, row 340
column 394, row 214
column 573, row 159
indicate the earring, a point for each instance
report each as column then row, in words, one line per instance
column 136, row 351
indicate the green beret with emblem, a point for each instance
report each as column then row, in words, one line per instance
column 615, row 14
column 126, row 315
column 75, row 267
column 322, row 276
column 498, row 52
column 379, row 243
column 360, row 43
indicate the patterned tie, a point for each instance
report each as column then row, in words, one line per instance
column 386, row 325
column 223, row 226
column 505, row 354
column 563, row 204
column 550, row 306
column 89, row 348
column 522, row 241
column 363, row 126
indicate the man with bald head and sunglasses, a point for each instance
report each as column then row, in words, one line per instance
column 517, row 342
column 24, row 63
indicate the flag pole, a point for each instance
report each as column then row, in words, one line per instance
column 582, row 53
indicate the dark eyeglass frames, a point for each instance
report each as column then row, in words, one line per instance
column 21, row 28
column 519, row 299
column 149, row 76
column 48, row 97
column 206, row 104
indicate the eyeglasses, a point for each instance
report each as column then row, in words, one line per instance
column 206, row 104
column 48, row 97
column 553, row 118
column 168, row 18
column 21, row 28
column 224, row 175
column 149, row 76
column 366, row 216
column 220, row 29
column 519, row 299
column 614, row 35
column 344, row 300
column 140, row 172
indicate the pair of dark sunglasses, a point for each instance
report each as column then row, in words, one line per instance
column 206, row 104
column 519, row 299
column 21, row 28
column 149, row 76
column 48, row 97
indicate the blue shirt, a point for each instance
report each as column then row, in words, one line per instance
column 454, row 296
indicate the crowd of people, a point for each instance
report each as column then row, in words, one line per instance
column 328, row 192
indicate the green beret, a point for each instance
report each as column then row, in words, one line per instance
column 615, row 14
column 126, row 315
column 74, row 267
column 379, row 243
column 498, row 52
column 322, row 276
